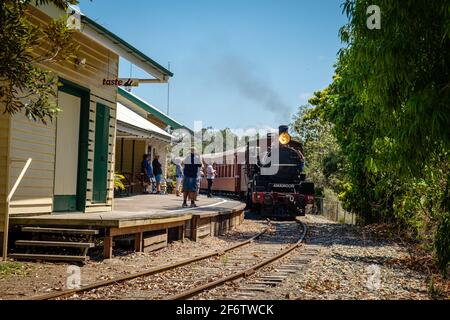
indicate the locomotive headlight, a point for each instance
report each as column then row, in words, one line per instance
column 284, row 138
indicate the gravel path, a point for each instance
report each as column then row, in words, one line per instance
column 345, row 264
column 353, row 266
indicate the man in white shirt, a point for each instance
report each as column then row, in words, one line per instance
column 210, row 176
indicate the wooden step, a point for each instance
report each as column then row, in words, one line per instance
column 30, row 243
column 60, row 230
column 47, row 257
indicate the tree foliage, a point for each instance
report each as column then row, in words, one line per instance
column 389, row 111
column 400, row 74
column 25, row 86
column 323, row 162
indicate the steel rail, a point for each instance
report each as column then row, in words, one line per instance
column 241, row 274
column 148, row 272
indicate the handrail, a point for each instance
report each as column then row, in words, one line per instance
column 19, row 179
column 8, row 200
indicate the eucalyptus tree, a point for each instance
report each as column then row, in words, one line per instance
column 25, row 84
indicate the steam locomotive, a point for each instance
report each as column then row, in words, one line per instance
column 266, row 174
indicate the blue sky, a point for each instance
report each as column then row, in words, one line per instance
column 237, row 63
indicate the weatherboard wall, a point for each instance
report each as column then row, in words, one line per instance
column 29, row 139
column 4, row 130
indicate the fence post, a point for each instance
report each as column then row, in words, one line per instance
column 337, row 211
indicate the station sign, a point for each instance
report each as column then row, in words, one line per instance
column 121, row 82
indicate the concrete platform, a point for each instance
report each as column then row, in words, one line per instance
column 144, row 214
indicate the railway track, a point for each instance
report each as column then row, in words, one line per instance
column 188, row 278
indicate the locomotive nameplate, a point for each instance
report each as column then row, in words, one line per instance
column 283, row 185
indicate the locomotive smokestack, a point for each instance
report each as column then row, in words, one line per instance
column 282, row 129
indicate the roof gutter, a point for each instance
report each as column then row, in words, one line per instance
column 163, row 117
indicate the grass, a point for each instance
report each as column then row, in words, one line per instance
column 225, row 260
column 12, row 268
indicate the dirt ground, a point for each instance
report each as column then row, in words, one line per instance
column 347, row 263
column 356, row 264
column 352, row 263
column 22, row 280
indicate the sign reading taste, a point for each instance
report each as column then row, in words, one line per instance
column 121, row 82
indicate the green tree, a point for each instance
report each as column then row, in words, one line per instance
column 389, row 106
column 25, row 86
column 400, row 74
column 323, row 160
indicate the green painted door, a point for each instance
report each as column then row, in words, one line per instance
column 101, row 154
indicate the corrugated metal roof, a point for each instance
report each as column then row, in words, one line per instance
column 131, row 118
column 152, row 110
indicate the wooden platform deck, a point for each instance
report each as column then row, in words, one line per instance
column 145, row 213
column 134, row 211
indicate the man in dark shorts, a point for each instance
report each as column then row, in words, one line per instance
column 192, row 164
column 157, row 171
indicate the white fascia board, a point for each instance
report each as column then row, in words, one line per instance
column 123, row 52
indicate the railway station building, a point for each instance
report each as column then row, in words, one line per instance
column 73, row 157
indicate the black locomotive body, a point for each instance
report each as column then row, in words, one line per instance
column 285, row 193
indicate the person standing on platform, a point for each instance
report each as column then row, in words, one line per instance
column 199, row 180
column 192, row 165
column 147, row 173
column 178, row 175
column 157, row 171
column 210, row 176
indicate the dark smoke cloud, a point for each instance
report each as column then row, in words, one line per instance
column 241, row 75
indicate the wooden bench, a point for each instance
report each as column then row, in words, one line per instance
column 144, row 181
